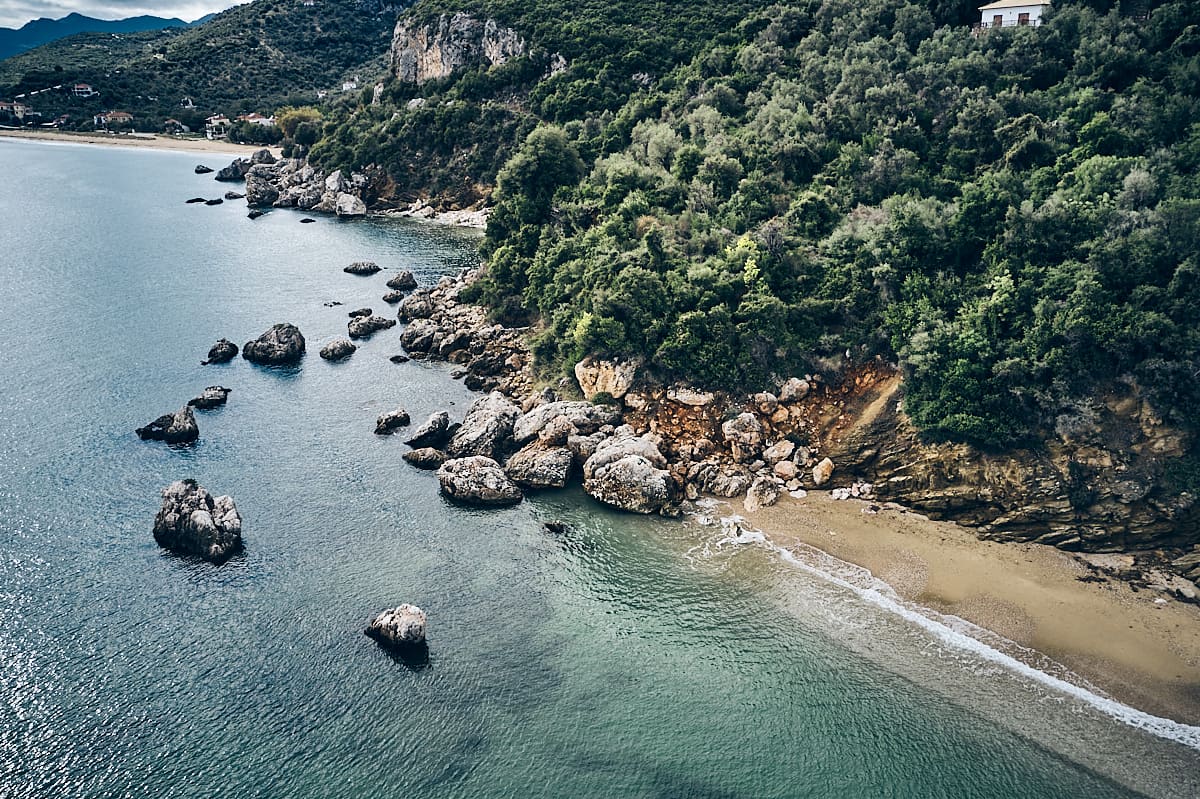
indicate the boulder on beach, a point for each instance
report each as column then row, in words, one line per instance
column 744, row 434
column 477, row 480
column 402, row 626
column 194, row 522
column 282, row 344
column 221, row 352
column 362, row 268
column 174, row 428
column 487, row 428
column 628, row 472
column 211, row 397
column 822, row 472
column 433, row 432
column 389, row 422
column 425, row 458
column 402, row 281
column 201, row 169
column 338, row 349
column 763, row 493
column 367, row 326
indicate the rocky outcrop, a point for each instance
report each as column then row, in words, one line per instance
column 425, row 458
column 293, row 183
column 427, row 51
column 402, row 281
column 433, row 432
column 211, row 397
column 390, row 422
column 367, row 326
column 194, row 522
column 487, row 428
column 174, row 428
column 338, row 349
column 629, row 472
column 584, row 417
column 362, row 268
column 540, row 466
column 221, row 352
column 348, row 205
column 402, row 626
column 282, row 344
column 235, row 171
column 477, row 480
column 597, row 376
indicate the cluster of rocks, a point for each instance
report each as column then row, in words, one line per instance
column 1151, row 570
column 192, row 521
column 490, row 356
column 294, row 183
column 242, row 166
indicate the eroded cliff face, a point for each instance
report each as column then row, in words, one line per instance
column 427, row 51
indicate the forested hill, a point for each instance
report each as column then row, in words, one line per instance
column 1012, row 217
column 41, row 31
column 253, row 57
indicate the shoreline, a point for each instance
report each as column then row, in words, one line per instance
column 144, row 141
column 1140, row 651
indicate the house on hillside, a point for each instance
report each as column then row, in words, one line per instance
column 174, row 126
column 350, row 85
column 15, row 109
column 84, row 90
column 216, row 126
column 112, row 119
column 1012, row 14
column 257, row 119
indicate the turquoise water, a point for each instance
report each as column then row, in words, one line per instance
column 629, row 657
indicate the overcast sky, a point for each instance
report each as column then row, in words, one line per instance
column 15, row 13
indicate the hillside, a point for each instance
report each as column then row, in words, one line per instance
column 42, row 31
column 253, row 57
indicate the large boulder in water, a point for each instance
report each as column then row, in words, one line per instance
column 211, row 397
column 348, row 205
column 434, row 432
column 425, row 458
column 281, row 344
column 402, row 281
column 367, row 326
column 477, row 480
column 402, row 626
column 235, row 171
column 174, row 428
column 390, row 422
column 487, row 428
column 362, row 268
column 628, row 472
column 338, row 349
column 194, row 522
column 221, row 352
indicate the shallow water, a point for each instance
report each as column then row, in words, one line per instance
column 628, row 657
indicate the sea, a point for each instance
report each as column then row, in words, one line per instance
column 623, row 657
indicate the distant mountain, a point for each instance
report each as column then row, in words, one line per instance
column 44, row 30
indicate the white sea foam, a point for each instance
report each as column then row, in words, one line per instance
column 952, row 631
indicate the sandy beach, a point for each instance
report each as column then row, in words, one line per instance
column 1139, row 651
column 180, row 144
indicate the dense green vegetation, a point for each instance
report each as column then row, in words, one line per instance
column 1013, row 218
column 253, row 57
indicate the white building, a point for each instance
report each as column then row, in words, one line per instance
column 1012, row 13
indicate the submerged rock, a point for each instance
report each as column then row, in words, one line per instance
column 393, row 297
column 338, row 349
column 212, row 397
column 477, row 480
column 362, row 268
column 282, row 344
column 389, row 422
column 255, row 213
column 173, row 428
column 402, row 626
column 217, row 201
column 194, row 522
column 359, row 312
column 221, row 352
column 233, row 195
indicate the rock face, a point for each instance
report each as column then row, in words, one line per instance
column 402, row 281
column 434, row 432
column 222, row 352
column 212, row 397
column 538, row 466
column 194, row 522
column 425, row 458
column 487, row 428
column 422, row 52
column 584, row 416
column 391, row 421
column 477, row 480
column 173, row 428
column 367, row 326
column 402, row 626
column 628, row 472
column 338, row 349
column 282, row 344
column 362, row 268
column 610, row 377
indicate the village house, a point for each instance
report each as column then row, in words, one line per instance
column 15, row 109
column 107, row 119
column 175, row 126
column 257, row 119
column 350, row 85
column 1012, row 14
column 84, row 90
column 216, row 126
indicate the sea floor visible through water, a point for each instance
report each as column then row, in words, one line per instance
column 625, row 657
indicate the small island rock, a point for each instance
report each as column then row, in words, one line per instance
column 173, row 428
column 367, row 326
column 194, row 522
column 338, row 349
column 212, row 397
column 389, row 422
column 402, row 626
column 201, row 169
column 362, row 268
column 282, row 344
column 402, row 281
column 221, row 352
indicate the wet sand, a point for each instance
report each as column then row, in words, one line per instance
column 1141, row 652
column 140, row 140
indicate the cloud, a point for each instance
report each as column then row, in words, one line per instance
column 15, row 13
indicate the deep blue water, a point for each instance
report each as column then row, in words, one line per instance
column 629, row 657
